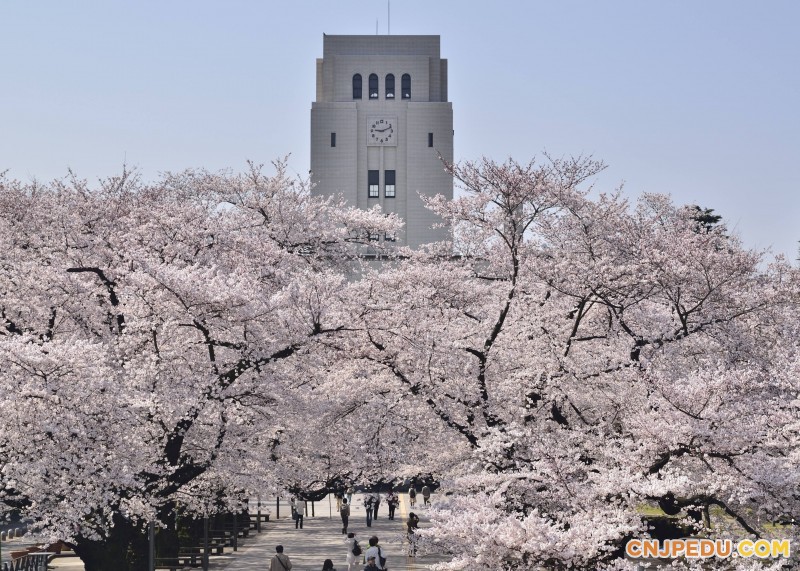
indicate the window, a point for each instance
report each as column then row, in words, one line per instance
column 333, row 139
column 430, row 139
column 374, row 236
column 373, row 86
column 390, row 86
column 389, row 237
column 405, row 86
column 388, row 179
column 373, row 184
column 357, row 86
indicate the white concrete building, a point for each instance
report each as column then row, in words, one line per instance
column 380, row 120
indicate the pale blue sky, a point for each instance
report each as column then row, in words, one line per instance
column 694, row 98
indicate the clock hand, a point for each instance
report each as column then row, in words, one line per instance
column 382, row 130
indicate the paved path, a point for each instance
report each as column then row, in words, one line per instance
column 320, row 539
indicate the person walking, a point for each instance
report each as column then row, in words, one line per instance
column 368, row 503
column 350, row 492
column 371, row 564
column 280, row 561
column 327, row 565
column 345, row 513
column 392, row 501
column 353, row 552
column 426, row 495
column 412, row 495
column 411, row 526
column 375, row 551
column 375, row 505
column 298, row 507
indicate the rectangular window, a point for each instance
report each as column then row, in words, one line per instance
column 389, row 237
column 333, row 139
column 430, row 139
column 373, row 183
column 388, row 179
column 374, row 236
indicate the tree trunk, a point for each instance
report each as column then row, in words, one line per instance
column 124, row 549
column 167, row 536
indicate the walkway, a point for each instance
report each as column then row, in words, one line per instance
column 320, row 539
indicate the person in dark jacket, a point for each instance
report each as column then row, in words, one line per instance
column 392, row 501
column 375, row 504
column 412, row 524
column 345, row 513
column 369, row 502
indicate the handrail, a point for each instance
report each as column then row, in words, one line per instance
column 30, row 562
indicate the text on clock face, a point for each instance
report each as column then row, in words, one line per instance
column 381, row 131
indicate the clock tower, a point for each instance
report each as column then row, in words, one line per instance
column 379, row 123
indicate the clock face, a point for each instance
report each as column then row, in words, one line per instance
column 382, row 131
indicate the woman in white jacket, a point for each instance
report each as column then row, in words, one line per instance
column 352, row 559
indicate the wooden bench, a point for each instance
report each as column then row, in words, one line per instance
column 196, row 551
column 191, row 557
column 256, row 520
column 183, row 561
column 169, row 565
column 228, row 536
column 241, row 530
column 214, row 547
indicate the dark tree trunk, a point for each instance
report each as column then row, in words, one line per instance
column 167, row 536
column 124, row 549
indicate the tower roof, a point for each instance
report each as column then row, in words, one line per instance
column 381, row 45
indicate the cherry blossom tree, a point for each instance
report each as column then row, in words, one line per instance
column 591, row 357
column 149, row 339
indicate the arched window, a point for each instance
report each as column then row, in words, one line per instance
column 357, row 86
column 390, row 86
column 373, row 86
column 405, row 86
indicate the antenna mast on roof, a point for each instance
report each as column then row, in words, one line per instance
column 376, row 26
column 388, row 17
